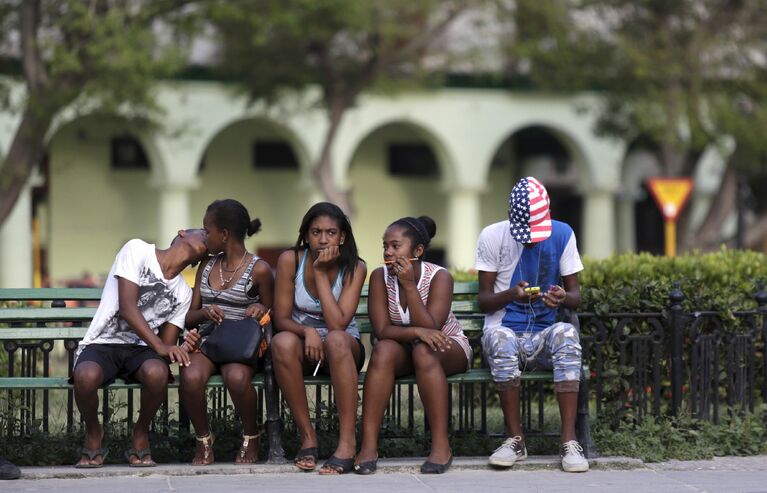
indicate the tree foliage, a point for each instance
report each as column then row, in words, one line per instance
column 97, row 55
column 680, row 74
column 341, row 47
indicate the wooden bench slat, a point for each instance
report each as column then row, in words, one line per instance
column 48, row 294
column 34, row 314
column 38, row 333
column 475, row 375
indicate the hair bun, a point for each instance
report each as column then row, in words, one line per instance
column 254, row 226
column 429, row 224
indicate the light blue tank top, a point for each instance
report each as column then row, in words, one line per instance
column 306, row 308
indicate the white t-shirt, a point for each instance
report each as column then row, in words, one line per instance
column 541, row 265
column 160, row 300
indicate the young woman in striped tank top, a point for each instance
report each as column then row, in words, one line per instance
column 409, row 307
column 234, row 284
column 316, row 294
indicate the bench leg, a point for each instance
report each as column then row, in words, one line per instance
column 582, row 426
column 273, row 420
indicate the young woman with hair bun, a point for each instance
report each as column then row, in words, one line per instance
column 233, row 284
column 409, row 307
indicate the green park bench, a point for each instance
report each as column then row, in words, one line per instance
column 32, row 319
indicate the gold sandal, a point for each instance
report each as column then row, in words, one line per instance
column 207, row 442
column 244, row 448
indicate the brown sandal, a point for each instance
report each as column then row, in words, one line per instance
column 207, row 456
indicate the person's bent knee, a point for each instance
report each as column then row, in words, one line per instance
column 567, row 386
column 193, row 378
column 154, row 373
column 508, row 385
column 337, row 343
column 284, row 345
column 384, row 355
column 424, row 358
column 238, row 381
column 87, row 377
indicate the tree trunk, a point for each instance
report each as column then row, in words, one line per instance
column 323, row 169
column 723, row 204
column 756, row 233
column 26, row 151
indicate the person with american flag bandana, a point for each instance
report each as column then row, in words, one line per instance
column 528, row 267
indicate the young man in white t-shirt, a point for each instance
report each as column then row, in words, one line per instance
column 521, row 264
column 133, row 336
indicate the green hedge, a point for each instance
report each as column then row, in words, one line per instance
column 722, row 281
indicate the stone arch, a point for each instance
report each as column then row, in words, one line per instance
column 384, row 187
column 277, row 195
column 89, row 201
column 551, row 154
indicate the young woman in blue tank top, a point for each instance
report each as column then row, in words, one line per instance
column 317, row 290
column 234, row 284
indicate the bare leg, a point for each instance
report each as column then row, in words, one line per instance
column 342, row 352
column 237, row 378
column 510, row 406
column 431, row 370
column 568, row 406
column 194, row 378
column 389, row 360
column 288, row 359
column 88, row 377
column 153, row 375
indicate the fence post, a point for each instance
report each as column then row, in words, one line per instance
column 677, row 343
column 761, row 299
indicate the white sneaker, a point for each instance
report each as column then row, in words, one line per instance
column 573, row 459
column 510, row 451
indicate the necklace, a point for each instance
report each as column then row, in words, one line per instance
column 221, row 269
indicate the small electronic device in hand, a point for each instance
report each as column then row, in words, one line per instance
column 532, row 290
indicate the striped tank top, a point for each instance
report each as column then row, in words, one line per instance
column 234, row 301
column 306, row 308
column 398, row 316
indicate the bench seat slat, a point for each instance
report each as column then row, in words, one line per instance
column 475, row 375
column 34, row 314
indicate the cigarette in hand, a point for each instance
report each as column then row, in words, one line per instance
column 392, row 261
column 317, row 368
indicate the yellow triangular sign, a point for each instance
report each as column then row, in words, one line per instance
column 670, row 194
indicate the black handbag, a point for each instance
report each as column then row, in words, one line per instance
column 234, row 341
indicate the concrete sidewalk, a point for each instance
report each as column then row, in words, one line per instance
column 746, row 474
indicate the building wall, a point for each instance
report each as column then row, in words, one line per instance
column 91, row 210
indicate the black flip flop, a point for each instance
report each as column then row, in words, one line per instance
column 337, row 466
column 92, row 454
column 306, row 453
column 140, row 454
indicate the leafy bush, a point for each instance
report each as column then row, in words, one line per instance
column 723, row 281
column 683, row 438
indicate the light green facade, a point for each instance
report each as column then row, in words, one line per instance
column 92, row 209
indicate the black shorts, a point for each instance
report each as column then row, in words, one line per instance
column 118, row 360
column 309, row 369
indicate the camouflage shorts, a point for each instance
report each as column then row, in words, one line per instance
column 555, row 348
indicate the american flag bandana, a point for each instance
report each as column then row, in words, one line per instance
column 529, row 217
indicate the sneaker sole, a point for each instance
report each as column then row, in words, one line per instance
column 575, row 468
column 506, row 462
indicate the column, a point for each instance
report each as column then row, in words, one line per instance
column 599, row 224
column 16, row 244
column 463, row 227
column 174, row 212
